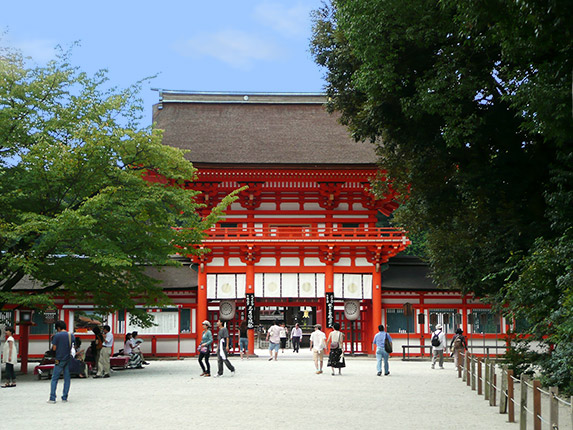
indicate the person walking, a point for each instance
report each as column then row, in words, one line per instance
column 458, row 345
column 379, row 342
column 274, row 339
column 296, row 336
column 223, row 349
column 336, row 355
column 243, row 340
column 10, row 358
column 283, row 336
column 205, row 348
column 62, row 343
column 438, row 345
column 317, row 346
column 103, row 367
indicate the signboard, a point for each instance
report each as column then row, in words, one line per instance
column 50, row 316
column 250, row 302
column 6, row 320
column 329, row 309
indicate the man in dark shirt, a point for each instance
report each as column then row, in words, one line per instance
column 223, row 349
column 62, row 344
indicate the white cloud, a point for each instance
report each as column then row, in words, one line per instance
column 236, row 48
column 289, row 21
column 41, row 50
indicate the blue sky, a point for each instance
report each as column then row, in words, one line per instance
column 241, row 45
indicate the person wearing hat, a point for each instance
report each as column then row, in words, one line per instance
column 438, row 346
column 205, row 348
column 458, row 345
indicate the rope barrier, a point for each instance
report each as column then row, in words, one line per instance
column 560, row 400
column 471, row 370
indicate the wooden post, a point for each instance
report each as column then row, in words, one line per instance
column 459, row 357
column 486, row 381
column 503, row 394
column 492, row 384
column 523, row 403
column 553, row 408
column 473, row 373
column 479, row 377
column 510, row 395
column 536, row 405
column 467, row 369
column 493, row 391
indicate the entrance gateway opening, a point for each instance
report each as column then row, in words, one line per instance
column 306, row 312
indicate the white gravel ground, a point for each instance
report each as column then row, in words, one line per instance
column 283, row 394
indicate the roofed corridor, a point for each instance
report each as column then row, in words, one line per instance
column 372, row 235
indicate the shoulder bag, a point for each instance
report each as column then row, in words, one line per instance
column 387, row 344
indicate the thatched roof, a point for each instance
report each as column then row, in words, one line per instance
column 255, row 128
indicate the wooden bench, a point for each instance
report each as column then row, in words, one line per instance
column 45, row 370
column 119, row 362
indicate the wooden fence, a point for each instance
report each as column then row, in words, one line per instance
column 495, row 381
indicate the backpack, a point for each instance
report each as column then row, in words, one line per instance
column 436, row 340
column 458, row 343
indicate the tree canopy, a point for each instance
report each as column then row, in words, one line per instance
column 469, row 106
column 76, row 213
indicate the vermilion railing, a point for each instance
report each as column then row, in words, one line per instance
column 305, row 234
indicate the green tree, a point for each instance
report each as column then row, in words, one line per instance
column 76, row 212
column 469, row 106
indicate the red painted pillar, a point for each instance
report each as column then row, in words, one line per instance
column 328, row 288
column 201, row 300
column 250, row 289
column 24, row 340
column 376, row 308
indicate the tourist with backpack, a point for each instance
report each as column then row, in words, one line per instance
column 458, row 345
column 438, row 345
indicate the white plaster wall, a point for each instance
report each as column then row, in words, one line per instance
column 267, row 207
column 290, row 206
column 236, row 261
column 267, row 261
column 313, row 261
column 289, row 261
column 342, row 207
column 312, row 207
column 444, row 300
column 217, row 261
column 166, row 346
column 236, row 206
column 343, row 262
column 362, row 262
column 187, row 346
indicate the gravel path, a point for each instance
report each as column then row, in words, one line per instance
column 283, row 394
